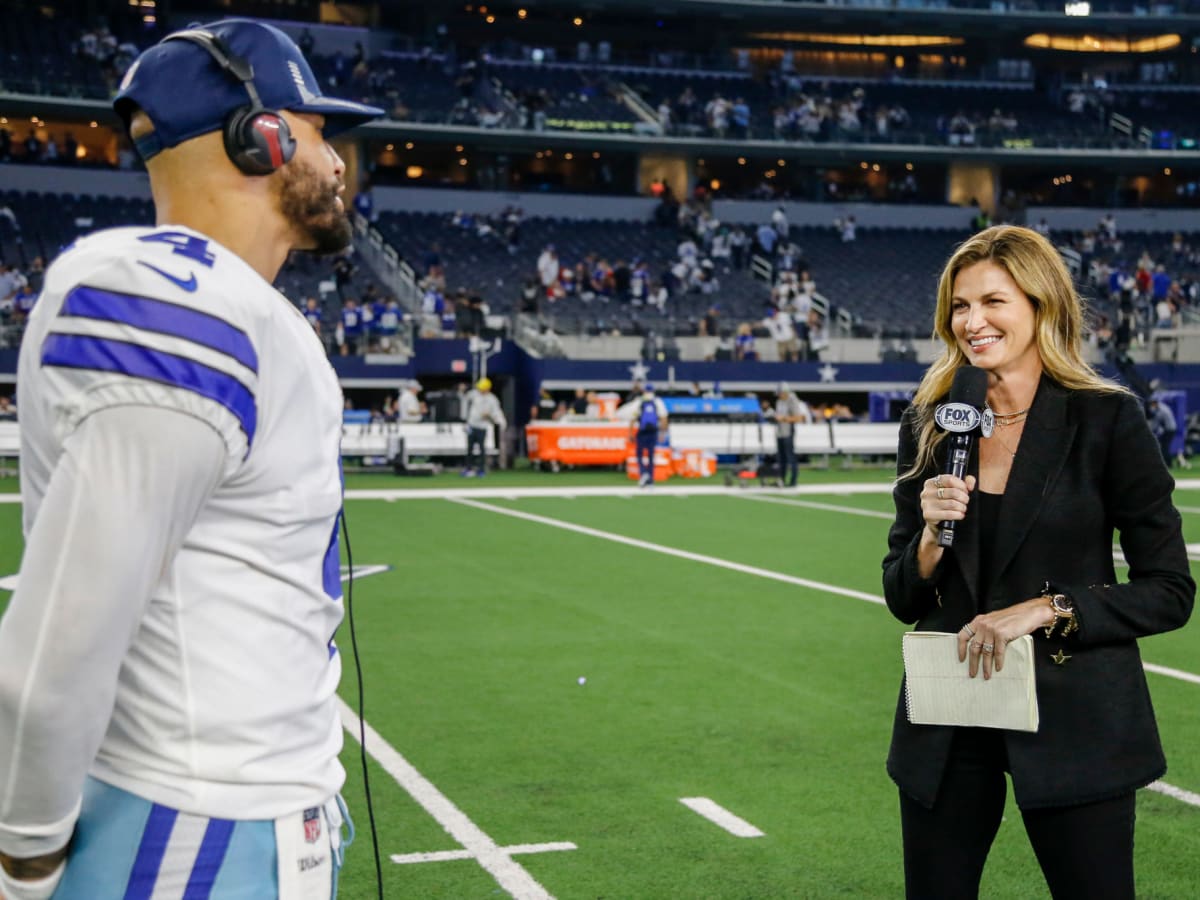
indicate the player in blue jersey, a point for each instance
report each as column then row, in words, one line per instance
column 168, row 716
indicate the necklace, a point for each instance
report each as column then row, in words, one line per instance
column 1010, row 450
column 1012, row 418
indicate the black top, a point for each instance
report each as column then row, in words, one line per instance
column 988, row 512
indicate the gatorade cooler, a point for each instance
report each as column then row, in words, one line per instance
column 694, row 463
column 663, row 465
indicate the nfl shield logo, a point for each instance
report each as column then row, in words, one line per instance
column 312, row 824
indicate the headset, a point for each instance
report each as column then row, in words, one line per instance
column 257, row 140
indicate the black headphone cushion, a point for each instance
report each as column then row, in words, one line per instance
column 258, row 141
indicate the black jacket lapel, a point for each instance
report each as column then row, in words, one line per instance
column 1045, row 444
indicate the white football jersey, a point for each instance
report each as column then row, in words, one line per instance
column 225, row 705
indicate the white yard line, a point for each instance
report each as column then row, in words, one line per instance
column 1161, row 787
column 719, row 815
column 812, row 504
column 1171, row 673
column 672, row 551
column 495, row 860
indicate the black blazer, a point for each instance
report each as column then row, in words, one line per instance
column 1086, row 465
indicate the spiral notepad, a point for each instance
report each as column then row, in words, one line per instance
column 938, row 690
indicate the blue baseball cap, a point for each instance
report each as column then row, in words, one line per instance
column 186, row 93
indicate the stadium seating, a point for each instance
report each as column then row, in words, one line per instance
column 43, row 224
column 885, row 279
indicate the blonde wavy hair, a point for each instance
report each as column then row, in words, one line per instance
column 1059, row 311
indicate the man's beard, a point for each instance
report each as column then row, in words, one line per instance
column 312, row 208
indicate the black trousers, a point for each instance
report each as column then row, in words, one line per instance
column 789, row 469
column 476, row 459
column 646, row 441
column 1085, row 851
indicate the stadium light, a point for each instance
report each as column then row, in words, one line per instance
column 1081, row 8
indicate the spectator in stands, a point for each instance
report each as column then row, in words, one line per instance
column 8, row 409
column 779, row 221
column 818, row 336
column 388, row 325
column 10, row 280
column 767, row 237
column 548, row 268
column 1108, row 225
column 36, row 273
column 532, row 295
column 352, row 331
column 364, row 204
column 744, row 345
column 343, row 274
column 739, row 116
column 782, row 330
column 483, row 412
column 366, row 313
column 312, row 312
column 6, row 139
column 23, row 302
column 622, row 282
column 738, row 243
column 720, row 250
column 848, row 228
column 33, row 147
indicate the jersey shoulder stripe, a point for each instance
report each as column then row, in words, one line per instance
column 72, row 351
column 163, row 317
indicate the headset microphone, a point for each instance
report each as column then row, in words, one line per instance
column 963, row 415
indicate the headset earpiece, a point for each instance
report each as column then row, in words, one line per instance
column 258, row 141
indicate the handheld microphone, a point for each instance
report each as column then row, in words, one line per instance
column 962, row 416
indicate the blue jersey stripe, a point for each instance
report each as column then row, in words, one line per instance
column 208, row 859
column 106, row 355
column 165, row 318
column 155, row 837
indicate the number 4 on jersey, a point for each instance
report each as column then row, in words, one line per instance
column 187, row 245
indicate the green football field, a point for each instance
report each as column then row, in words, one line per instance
column 551, row 669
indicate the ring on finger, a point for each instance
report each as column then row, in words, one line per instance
column 969, row 630
column 976, row 646
column 940, row 497
column 937, row 482
column 988, row 648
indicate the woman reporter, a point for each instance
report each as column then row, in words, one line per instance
column 1070, row 461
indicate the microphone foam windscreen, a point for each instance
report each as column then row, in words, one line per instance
column 970, row 386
